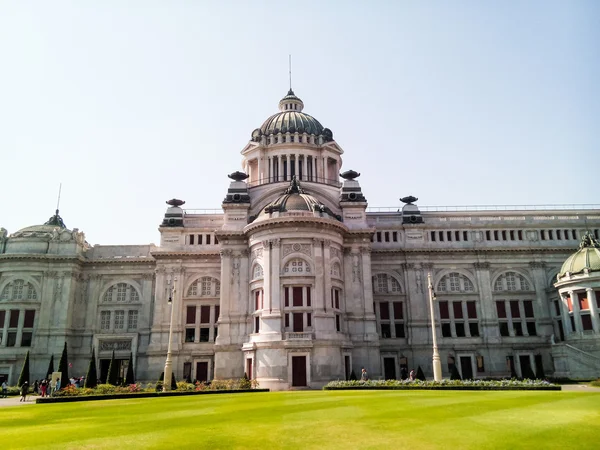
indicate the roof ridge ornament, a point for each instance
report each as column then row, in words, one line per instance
column 56, row 220
column 588, row 241
column 409, row 200
column 294, row 187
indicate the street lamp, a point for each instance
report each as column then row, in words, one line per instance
column 437, row 365
column 168, row 362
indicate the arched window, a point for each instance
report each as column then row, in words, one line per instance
column 19, row 290
column 511, row 281
column 385, row 284
column 455, row 282
column 257, row 272
column 296, row 267
column 205, row 287
column 336, row 270
column 121, row 293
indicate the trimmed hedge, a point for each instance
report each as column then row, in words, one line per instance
column 458, row 385
column 85, row 398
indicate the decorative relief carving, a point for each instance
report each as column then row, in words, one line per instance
column 335, row 253
column 419, row 281
column 355, row 268
column 481, row 265
column 51, row 274
column 317, row 241
column 257, row 254
column 245, row 253
column 537, row 265
column 96, row 276
column 531, row 235
column 115, row 345
column 235, row 267
column 58, row 285
column 406, row 266
column 296, row 248
column 427, row 266
column 276, row 242
column 478, row 236
column 365, row 250
column 266, row 244
column 347, row 250
column 225, row 253
column 147, row 276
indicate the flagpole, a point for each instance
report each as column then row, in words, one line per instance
column 437, row 364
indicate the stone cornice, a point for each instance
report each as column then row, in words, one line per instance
column 281, row 222
column 42, row 256
column 186, row 255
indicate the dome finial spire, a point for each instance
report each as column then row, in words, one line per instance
column 290, row 75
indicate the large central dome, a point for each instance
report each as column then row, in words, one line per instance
column 291, row 119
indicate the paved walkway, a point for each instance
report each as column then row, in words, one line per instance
column 14, row 401
column 579, row 388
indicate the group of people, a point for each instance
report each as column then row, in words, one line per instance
column 412, row 376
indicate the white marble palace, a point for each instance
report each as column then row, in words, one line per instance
column 296, row 282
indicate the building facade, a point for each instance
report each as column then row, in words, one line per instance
column 296, row 282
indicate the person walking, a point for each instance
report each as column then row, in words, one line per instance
column 4, row 389
column 43, row 387
column 412, row 375
column 52, row 386
column 364, row 376
column 24, row 392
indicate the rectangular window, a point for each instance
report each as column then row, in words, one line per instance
column 192, row 239
column 132, row 320
column 257, row 300
column 11, row 338
column 449, row 235
column 488, row 236
column 187, row 371
column 190, row 316
column 399, row 328
column 2, row 318
column 14, row 318
column 457, row 309
column 190, row 334
column 395, row 236
column 29, row 318
column 287, row 320
column 308, row 319
column 286, row 292
column 119, row 320
column 433, row 236
column 586, row 321
column 528, row 307
column 501, row 309
column 387, row 236
column 569, row 304
column 397, row 310
column 504, row 329
column 308, row 300
column 337, row 299
column 583, row 303
column 446, row 330
column 296, row 296
column 518, row 328
column 556, row 308
column 204, row 334
column 457, row 235
column 496, row 235
column 386, row 331
column 205, row 314
column 471, row 310
column 520, row 235
column 199, row 239
column 531, row 331
column 105, row 320
column 550, row 235
column 543, row 235
column 441, row 236
column 208, row 239
column 26, row 338
column 465, row 236
column 504, row 235
column 379, row 236
column 558, row 235
column 338, row 325
column 512, row 235
column 514, row 309
column 444, row 313
column 256, row 324
column 474, row 329
column 217, row 312
column 384, row 311
column 460, row 329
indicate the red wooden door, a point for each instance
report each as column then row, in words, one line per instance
column 298, row 322
column 202, row 371
column 298, row 371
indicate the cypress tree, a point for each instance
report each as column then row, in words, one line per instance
column 91, row 378
column 454, row 374
column 420, row 374
column 24, row 371
column 63, row 367
column 113, row 371
column 173, row 382
column 539, row 367
column 50, row 367
column 130, row 377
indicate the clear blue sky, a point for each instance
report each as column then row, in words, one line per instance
column 129, row 104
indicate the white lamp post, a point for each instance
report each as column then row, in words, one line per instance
column 168, row 362
column 437, row 365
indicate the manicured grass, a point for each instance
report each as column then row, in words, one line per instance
column 313, row 420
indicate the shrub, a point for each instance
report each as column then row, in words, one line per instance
column 130, row 377
column 458, row 384
column 185, row 386
column 24, row 371
column 454, row 375
column 68, row 391
column 201, row 386
column 595, row 383
column 105, row 389
column 63, row 367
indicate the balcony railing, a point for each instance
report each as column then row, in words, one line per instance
column 298, row 336
column 467, row 208
column 309, row 179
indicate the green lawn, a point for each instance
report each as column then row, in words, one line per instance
column 313, row 419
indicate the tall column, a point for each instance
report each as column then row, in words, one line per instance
column 269, row 170
column 304, row 168
column 286, row 169
column 279, row 168
column 267, row 270
column 296, row 166
column 320, row 294
column 564, row 314
column 327, row 274
column 261, row 169
column 275, row 281
column 576, row 311
column 367, row 280
column 591, row 296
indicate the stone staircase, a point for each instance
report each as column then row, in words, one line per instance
column 574, row 363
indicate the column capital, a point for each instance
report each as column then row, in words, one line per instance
column 481, row 265
column 276, row 243
column 225, row 253
column 427, row 266
column 266, row 244
column 408, row 266
column 537, row 264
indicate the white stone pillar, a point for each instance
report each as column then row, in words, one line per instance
column 267, row 270
column 315, row 174
column 591, row 296
column 286, row 170
column 296, row 166
column 261, row 169
column 564, row 313
column 275, row 280
column 576, row 311
column 327, row 274
column 320, row 294
column 304, row 168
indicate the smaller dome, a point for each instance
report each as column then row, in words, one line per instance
column 586, row 258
